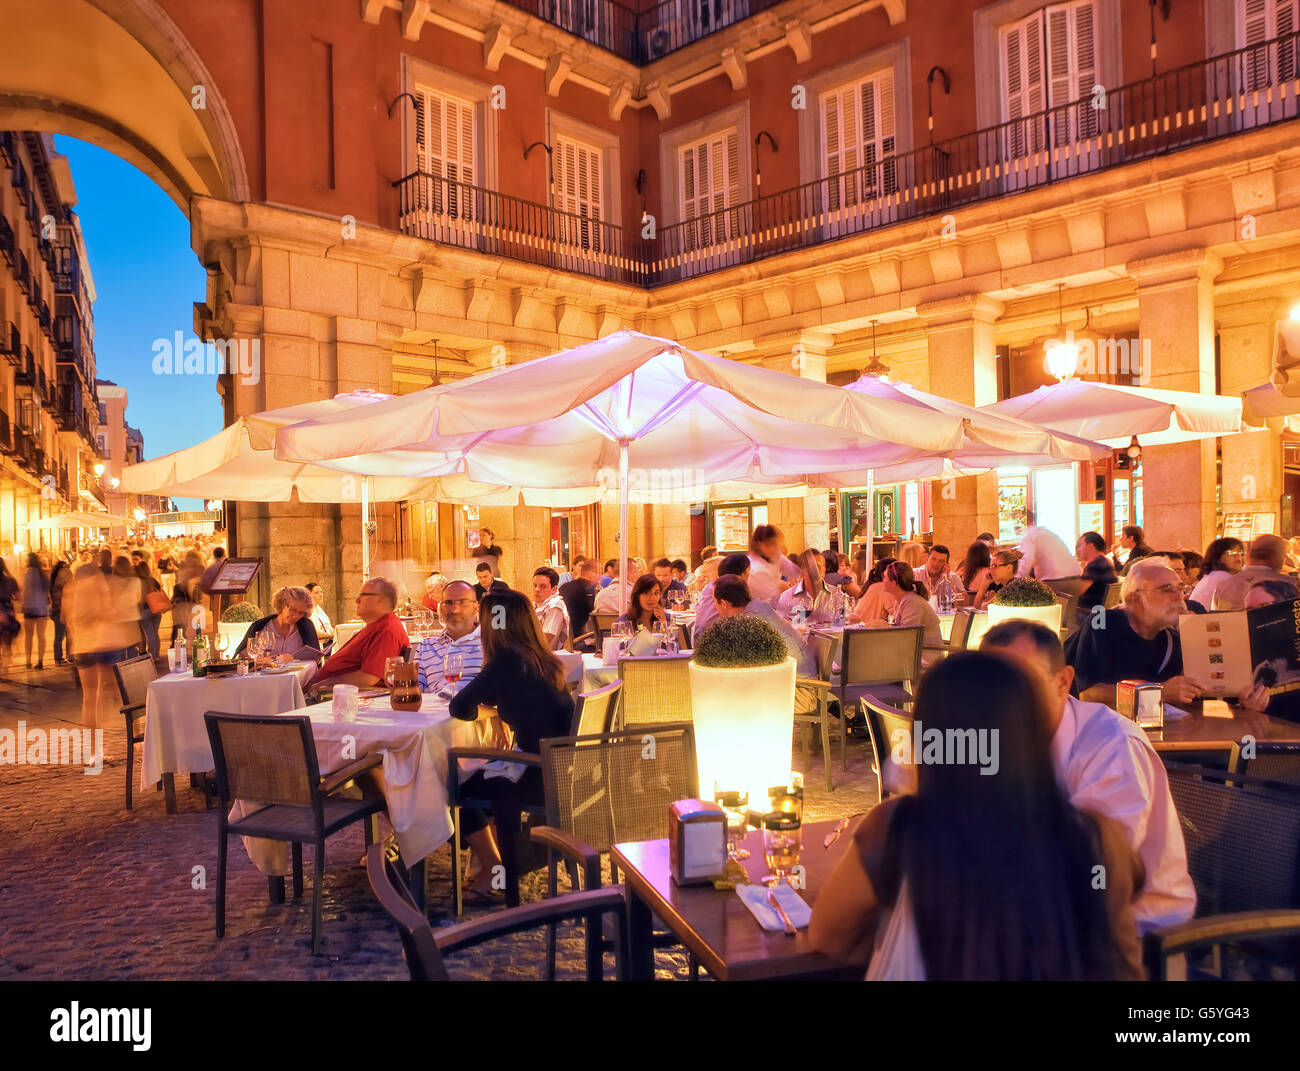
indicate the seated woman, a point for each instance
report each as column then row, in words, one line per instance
column 910, row 607
column 525, row 682
column 983, row 878
column 643, row 608
column 289, row 628
column 974, row 572
column 876, row 602
column 320, row 620
column 1002, row 570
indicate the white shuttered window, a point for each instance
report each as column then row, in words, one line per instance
column 859, row 138
column 445, row 147
column 1049, row 61
column 578, row 192
column 711, row 188
column 1267, row 20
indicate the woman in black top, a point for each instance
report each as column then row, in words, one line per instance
column 525, row 682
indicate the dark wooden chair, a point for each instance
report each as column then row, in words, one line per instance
column 133, row 677
column 269, row 763
column 882, row 722
column 605, row 789
column 1243, row 853
column 424, row 947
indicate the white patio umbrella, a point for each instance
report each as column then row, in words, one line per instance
column 1112, row 414
column 81, row 519
column 238, row 464
column 1266, row 402
column 585, row 418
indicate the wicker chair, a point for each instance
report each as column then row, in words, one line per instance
column 1243, row 853
column 133, row 677
column 883, row 663
column 656, row 690
column 596, row 710
column 1112, row 594
column 818, row 690
column 958, row 639
column 1224, row 757
column 601, row 624
column 1275, row 761
column 882, row 722
column 1069, row 611
column 270, row 763
column 424, row 947
column 606, row 789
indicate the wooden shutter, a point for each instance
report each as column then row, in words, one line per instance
column 444, row 148
column 578, row 192
column 859, row 136
column 1269, row 20
column 1072, row 69
column 1024, row 82
column 711, row 188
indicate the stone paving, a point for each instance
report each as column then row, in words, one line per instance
column 89, row 890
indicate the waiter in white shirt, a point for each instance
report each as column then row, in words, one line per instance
column 1105, row 763
column 1046, row 557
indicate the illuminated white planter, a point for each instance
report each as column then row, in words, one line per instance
column 1048, row 615
column 744, row 727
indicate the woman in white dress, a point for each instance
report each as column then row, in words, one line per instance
column 770, row 571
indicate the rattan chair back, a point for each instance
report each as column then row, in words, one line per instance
column 824, row 646
column 611, row 788
column 595, row 710
column 962, row 620
column 656, row 690
column 1242, row 837
column 883, row 721
column 133, row 677
column 1275, row 761
column 264, row 759
column 881, row 655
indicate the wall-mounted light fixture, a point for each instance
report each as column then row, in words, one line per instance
column 929, row 94
column 758, row 173
column 1062, row 357
column 550, row 166
column 398, row 100
column 877, row 367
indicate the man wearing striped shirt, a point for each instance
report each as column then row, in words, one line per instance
column 458, row 612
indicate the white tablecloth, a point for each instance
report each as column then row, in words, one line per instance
column 414, row 745
column 175, row 737
column 573, row 665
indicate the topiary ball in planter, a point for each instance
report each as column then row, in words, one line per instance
column 738, row 642
column 742, row 705
column 1023, row 598
column 242, row 613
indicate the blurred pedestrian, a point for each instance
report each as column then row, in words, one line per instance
column 60, row 575
column 128, row 596
column 148, row 618
column 36, row 609
column 9, row 626
column 184, row 595
column 99, row 639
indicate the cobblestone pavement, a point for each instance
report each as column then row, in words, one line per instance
column 89, row 890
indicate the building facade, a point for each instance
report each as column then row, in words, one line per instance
column 118, row 445
column 47, row 342
column 392, row 193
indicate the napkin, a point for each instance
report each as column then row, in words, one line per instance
column 643, row 644
column 754, row 897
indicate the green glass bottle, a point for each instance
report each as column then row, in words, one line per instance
column 200, row 659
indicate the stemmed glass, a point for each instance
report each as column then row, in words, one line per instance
column 452, row 667
column 623, row 632
column 390, row 669
column 736, row 807
column 659, row 633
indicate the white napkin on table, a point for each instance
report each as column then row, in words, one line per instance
column 754, row 897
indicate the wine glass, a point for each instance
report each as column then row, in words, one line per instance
column 736, row 807
column 782, row 843
column 623, row 632
column 390, row 669
column 452, row 667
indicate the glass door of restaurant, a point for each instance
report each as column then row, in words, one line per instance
column 572, row 535
column 730, row 524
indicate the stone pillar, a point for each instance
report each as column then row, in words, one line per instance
column 1252, row 461
column 1176, row 316
column 963, row 367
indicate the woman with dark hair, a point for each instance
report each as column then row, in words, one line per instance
column 36, row 608
column 876, row 603
column 770, row 571
column 1193, row 563
column 977, row 877
column 1224, row 559
column 526, row 684
column 911, row 607
column 643, row 605
column 974, row 570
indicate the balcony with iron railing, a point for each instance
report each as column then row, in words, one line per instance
column 1226, row 95
column 6, row 434
column 11, row 344
column 25, row 449
column 69, row 341
column 642, row 37
column 8, row 246
column 25, row 373
column 24, row 274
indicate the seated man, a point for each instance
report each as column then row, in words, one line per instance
column 680, row 573
column 361, row 660
column 550, row 607
column 731, row 597
column 663, row 570
column 1098, row 571
column 1264, row 562
column 578, row 595
column 705, row 609
column 613, row 598
column 486, row 581
column 458, row 613
column 1105, row 763
column 1137, row 642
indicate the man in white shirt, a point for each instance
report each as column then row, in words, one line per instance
column 613, row 598
column 458, row 612
column 1105, row 764
column 550, row 607
column 1046, row 556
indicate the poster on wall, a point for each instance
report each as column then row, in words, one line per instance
column 471, row 527
column 1092, row 517
column 1013, row 492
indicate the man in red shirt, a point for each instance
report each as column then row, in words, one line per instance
column 360, row 661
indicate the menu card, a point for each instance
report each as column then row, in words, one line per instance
column 1228, row 652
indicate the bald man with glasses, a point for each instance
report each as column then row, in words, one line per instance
column 361, row 660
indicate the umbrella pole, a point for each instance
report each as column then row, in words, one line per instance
column 622, row 512
column 871, row 520
column 365, row 528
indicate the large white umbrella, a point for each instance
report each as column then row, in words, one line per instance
column 587, row 417
column 238, row 464
column 1112, row 414
column 1266, row 401
column 81, row 519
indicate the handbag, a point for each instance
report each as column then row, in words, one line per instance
column 158, row 602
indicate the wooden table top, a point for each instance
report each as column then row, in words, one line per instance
column 1198, row 729
column 718, row 928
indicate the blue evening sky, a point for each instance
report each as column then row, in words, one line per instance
column 147, row 279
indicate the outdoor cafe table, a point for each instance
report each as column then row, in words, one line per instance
column 413, row 744
column 1195, row 729
column 714, row 924
column 175, row 736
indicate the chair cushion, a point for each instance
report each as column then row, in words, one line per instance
column 282, row 822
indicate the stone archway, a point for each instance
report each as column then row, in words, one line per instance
column 120, row 74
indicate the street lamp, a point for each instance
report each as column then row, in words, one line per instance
column 113, row 481
column 139, row 514
column 99, row 468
